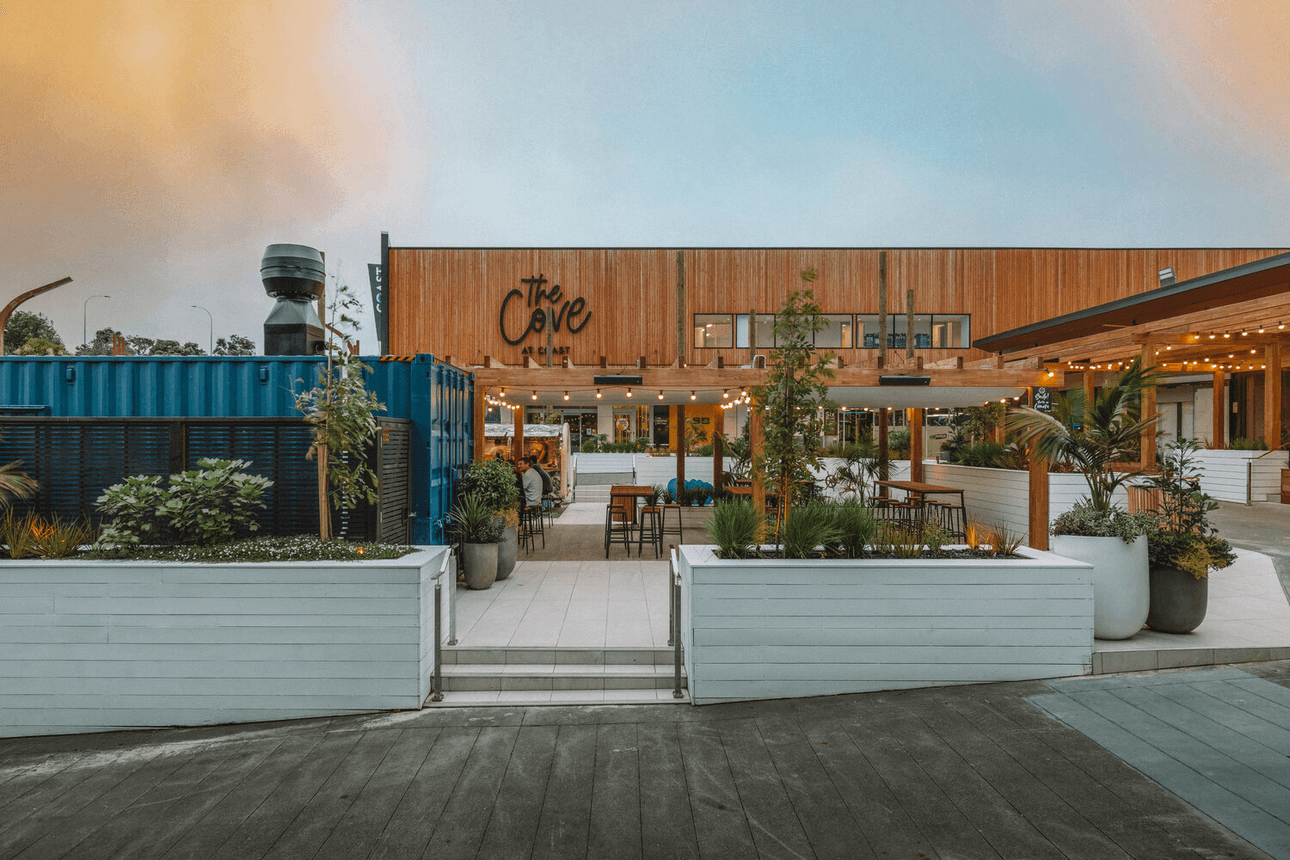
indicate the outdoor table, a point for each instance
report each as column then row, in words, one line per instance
column 918, row 492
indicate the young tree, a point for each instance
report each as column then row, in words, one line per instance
column 235, row 344
column 24, row 326
column 340, row 408
column 791, row 400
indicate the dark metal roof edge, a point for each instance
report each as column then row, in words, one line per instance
column 1180, row 288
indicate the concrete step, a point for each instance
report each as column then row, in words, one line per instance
column 558, row 676
column 595, row 493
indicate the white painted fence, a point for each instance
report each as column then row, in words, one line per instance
column 761, row 628
column 1226, row 474
column 89, row 646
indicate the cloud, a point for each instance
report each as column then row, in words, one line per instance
column 151, row 149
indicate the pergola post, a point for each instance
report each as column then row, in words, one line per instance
column 517, row 444
column 1090, row 391
column 1038, row 480
column 1219, row 439
column 884, row 451
column 680, row 451
column 478, row 436
column 718, row 450
column 1272, row 396
column 1148, row 446
column 756, row 444
column 915, row 420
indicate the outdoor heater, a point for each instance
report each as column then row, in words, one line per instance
column 295, row 276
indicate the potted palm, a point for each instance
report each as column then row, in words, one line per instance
column 493, row 481
column 1093, row 437
column 479, row 529
column 1186, row 547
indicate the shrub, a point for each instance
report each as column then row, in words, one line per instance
column 736, row 529
column 493, row 481
column 809, row 528
column 475, row 521
column 206, row 505
column 18, row 533
column 58, row 539
column 855, row 525
column 1087, row 521
column 1240, row 444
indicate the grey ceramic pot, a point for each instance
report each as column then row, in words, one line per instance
column 480, row 561
column 506, row 552
column 1178, row 600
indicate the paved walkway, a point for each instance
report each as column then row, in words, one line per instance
column 963, row 772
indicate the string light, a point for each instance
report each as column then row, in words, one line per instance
column 566, row 395
column 534, row 395
column 629, row 392
column 692, row 397
column 598, row 394
column 660, row 394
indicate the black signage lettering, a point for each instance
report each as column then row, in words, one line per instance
column 572, row 314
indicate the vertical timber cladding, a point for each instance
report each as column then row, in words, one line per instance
column 471, row 303
column 448, row 300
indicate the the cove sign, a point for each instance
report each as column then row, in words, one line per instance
column 543, row 303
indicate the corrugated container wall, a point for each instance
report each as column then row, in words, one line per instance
column 435, row 396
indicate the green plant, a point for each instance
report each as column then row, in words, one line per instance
column 17, row 533
column 897, row 540
column 14, row 484
column 934, row 538
column 809, row 529
column 1091, row 436
column 59, row 539
column 1085, row 520
column 206, row 505
column 493, row 481
column 898, row 444
column 1242, row 444
column 475, row 521
column 855, row 527
column 293, row 548
column 736, row 529
column 340, row 408
column 1185, row 539
column 1005, row 540
column 792, row 399
column 668, row 496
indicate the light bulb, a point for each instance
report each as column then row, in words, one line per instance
column 534, row 395
column 660, row 394
column 692, row 395
column 566, row 395
column 598, row 395
column 629, row 392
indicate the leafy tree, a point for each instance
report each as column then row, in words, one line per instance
column 41, row 346
column 102, row 343
column 139, row 345
column 340, row 408
column 791, row 400
column 24, row 326
column 235, row 344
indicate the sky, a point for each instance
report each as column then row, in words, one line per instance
column 151, row 149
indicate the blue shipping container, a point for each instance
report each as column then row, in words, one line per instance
column 435, row 396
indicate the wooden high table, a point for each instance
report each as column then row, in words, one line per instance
column 918, row 493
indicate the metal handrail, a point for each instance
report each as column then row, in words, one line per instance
column 674, row 619
column 436, row 684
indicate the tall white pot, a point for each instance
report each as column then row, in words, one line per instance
column 1121, row 581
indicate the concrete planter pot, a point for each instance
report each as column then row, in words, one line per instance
column 507, row 551
column 91, row 646
column 1178, row 600
column 1121, row 583
column 777, row 628
column 480, row 563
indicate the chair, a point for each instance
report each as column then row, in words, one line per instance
column 531, row 525
column 620, row 519
column 664, row 529
column 651, row 526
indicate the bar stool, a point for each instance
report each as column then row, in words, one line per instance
column 619, row 522
column 651, row 526
column 531, row 526
column 665, row 529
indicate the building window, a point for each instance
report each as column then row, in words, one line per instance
column 713, row 331
column 931, row 331
column 765, row 331
column 836, row 333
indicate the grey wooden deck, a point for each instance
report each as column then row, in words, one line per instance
column 962, row 772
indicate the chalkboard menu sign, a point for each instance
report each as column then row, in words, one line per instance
column 1043, row 399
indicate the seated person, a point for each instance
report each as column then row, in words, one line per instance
column 548, row 486
column 531, row 483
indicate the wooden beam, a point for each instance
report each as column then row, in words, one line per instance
column 1148, row 440
column 1038, row 480
column 757, row 452
column 687, row 378
column 718, row 450
column 1272, row 396
column 1219, row 437
column 884, row 448
column 914, row 418
column 1090, row 391
column 680, row 448
column 478, row 435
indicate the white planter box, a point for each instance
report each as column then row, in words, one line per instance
column 660, row 470
column 88, row 646
column 765, row 629
column 1226, row 474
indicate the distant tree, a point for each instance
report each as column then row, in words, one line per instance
column 40, row 346
column 235, row 345
column 139, row 345
column 24, row 326
column 101, row 345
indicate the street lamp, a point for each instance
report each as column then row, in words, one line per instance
column 85, row 318
column 211, row 349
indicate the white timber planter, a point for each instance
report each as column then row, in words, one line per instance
column 1121, row 581
column 89, row 646
column 1229, row 475
column 772, row 628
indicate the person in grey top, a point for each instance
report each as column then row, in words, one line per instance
column 532, row 484
column 548, row 486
